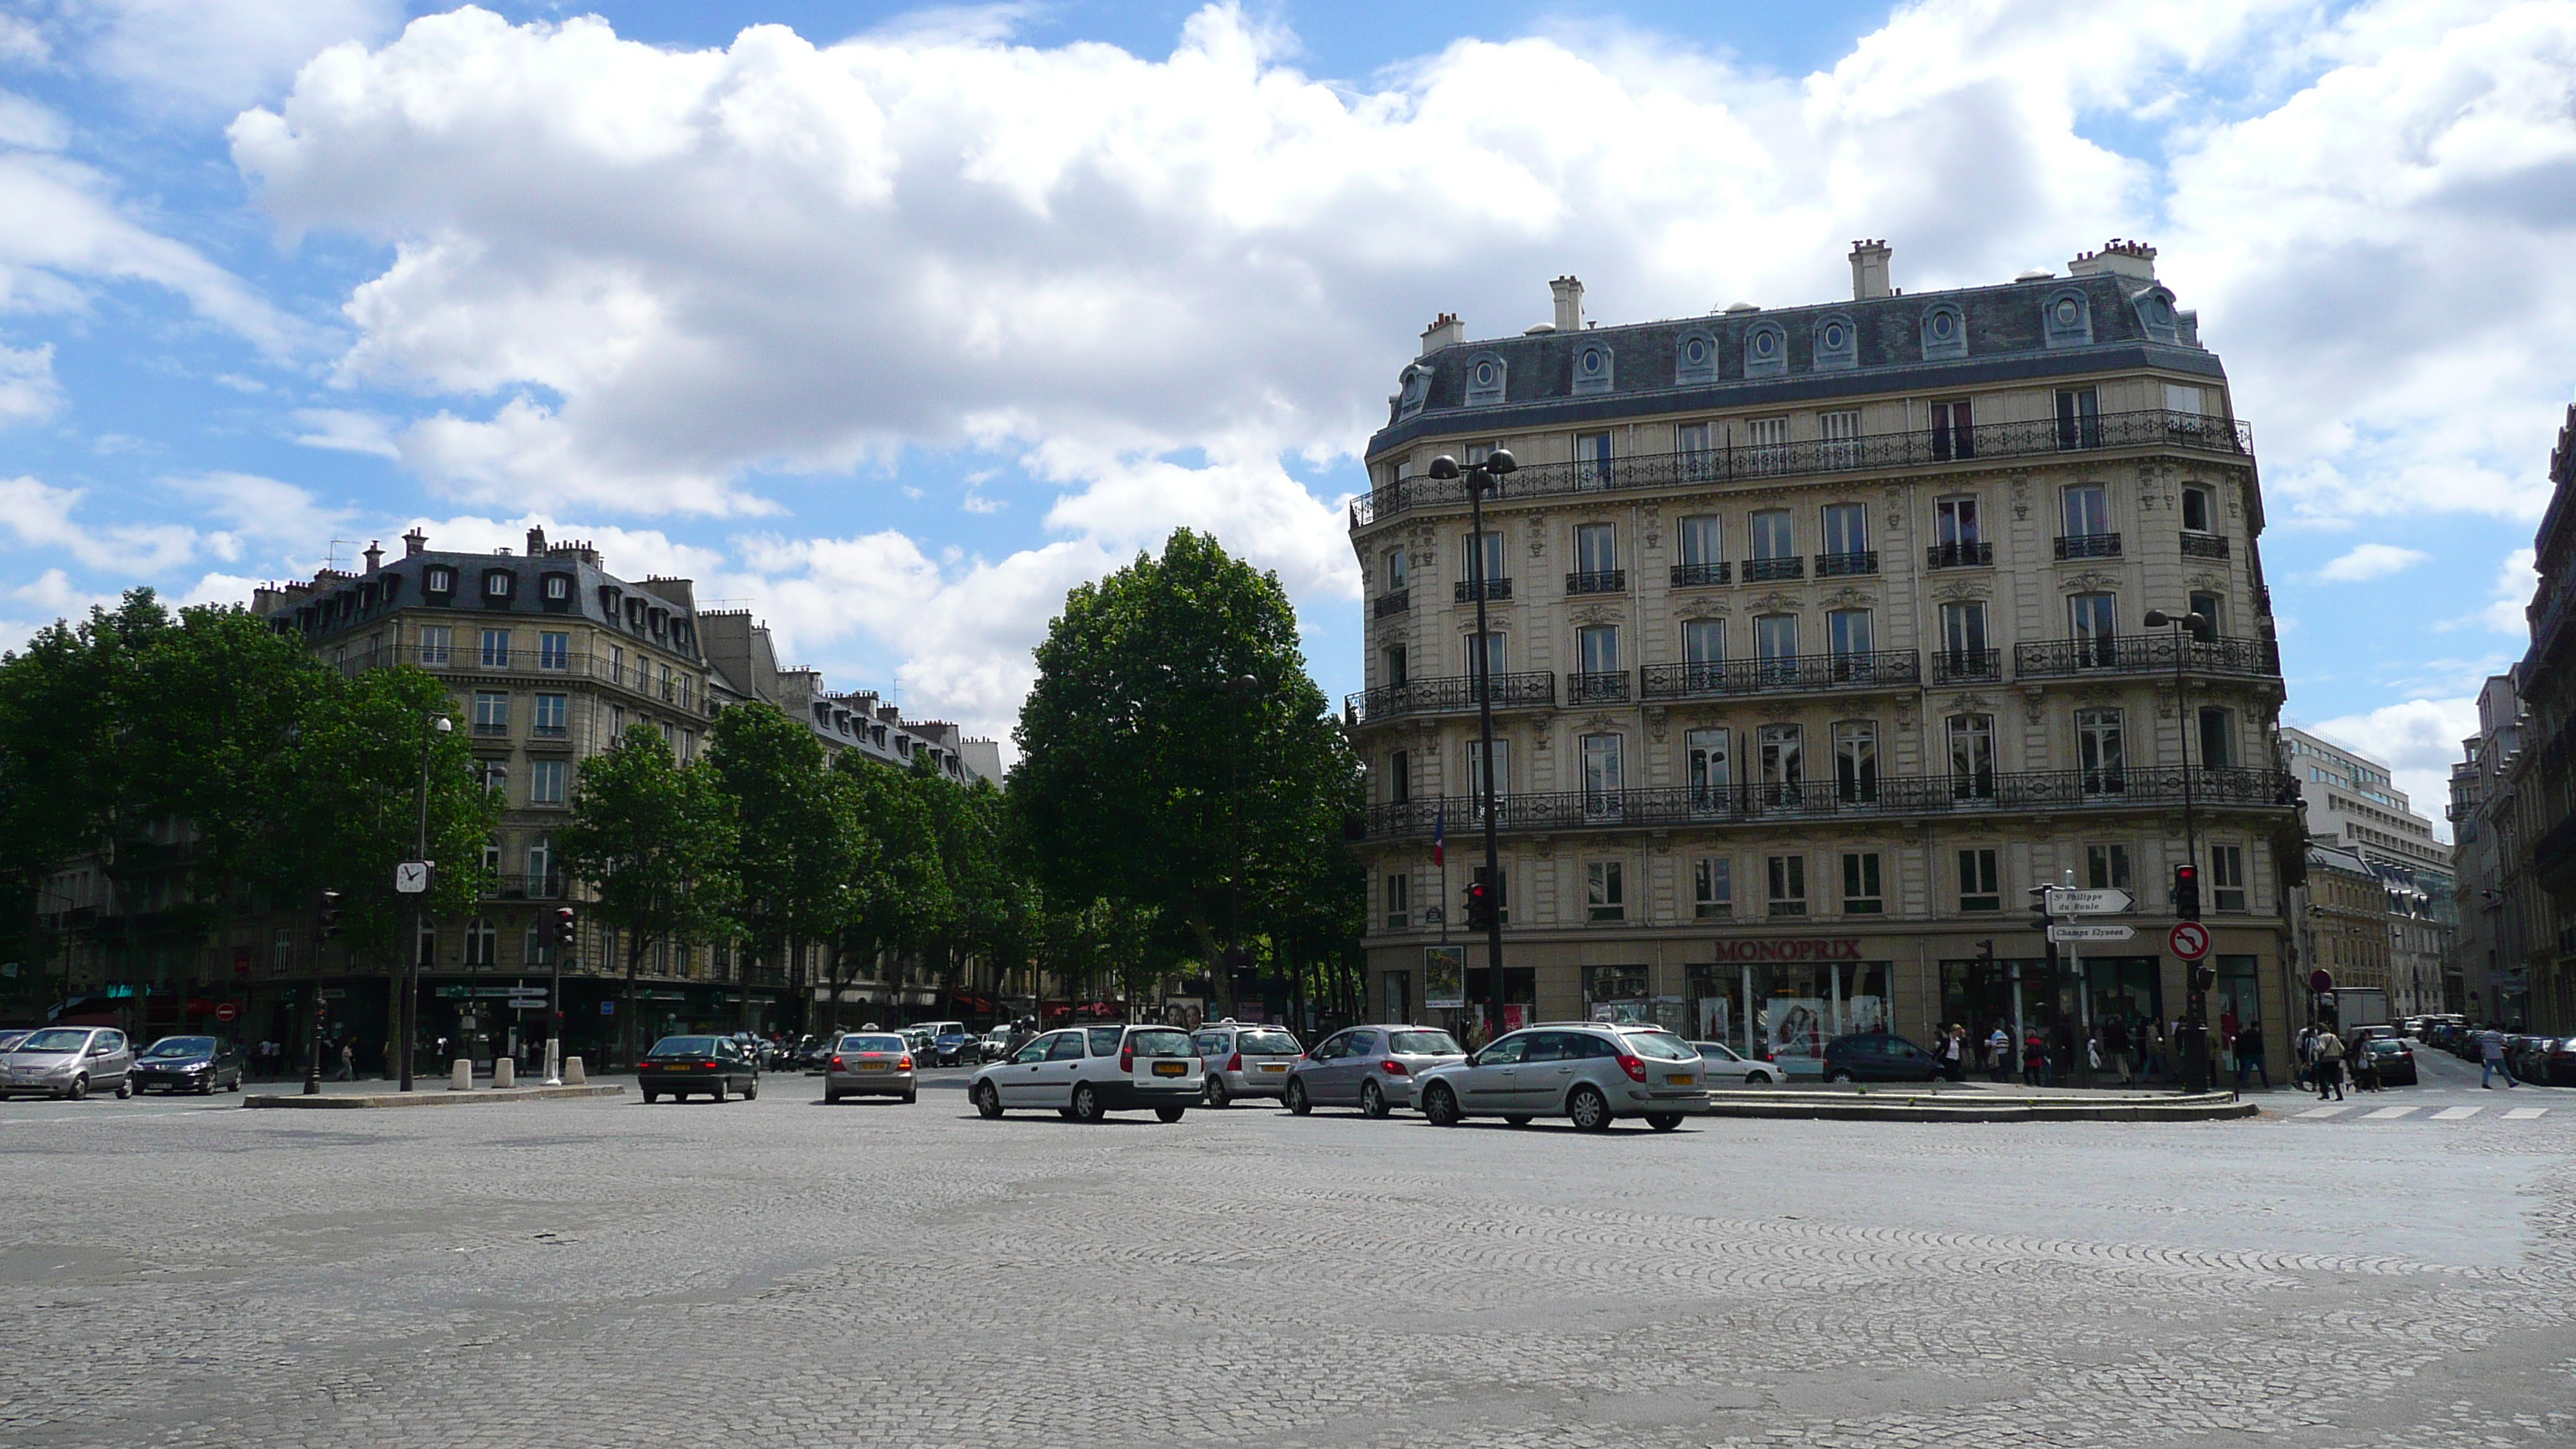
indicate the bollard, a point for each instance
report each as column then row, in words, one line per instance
column 505, row 1072
column 573, row 1074
column 460, row 1078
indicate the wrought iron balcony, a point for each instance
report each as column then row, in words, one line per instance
column 1394, row 603
column 1803, row 673
column 545, row 887
column 1601, row 581
column 1699, row 575
column 2144, row 654
column 2088, row 545
column 1887, row 797
column 1971, row 555
column 1609, row 687
column 1759, row 570
column 1959, row 666
column 2147, row 428
column 2204, row 545
column 1448, row 696
column 1494, row 589
column 1842, row 565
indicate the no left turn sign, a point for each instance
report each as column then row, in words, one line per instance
column 2189, row 940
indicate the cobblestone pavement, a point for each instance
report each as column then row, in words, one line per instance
column 606, row 1273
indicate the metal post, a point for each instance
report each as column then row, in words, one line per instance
column 554, row 1006
column 1477, row 478
column 313, row 1032
column 404, row 1025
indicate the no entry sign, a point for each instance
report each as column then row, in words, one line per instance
column 226, row 1011
column 2189, row 940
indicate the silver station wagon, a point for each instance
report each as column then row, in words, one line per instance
column 1589, row 1072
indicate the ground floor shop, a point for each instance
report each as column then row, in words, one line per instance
column 481, row 1016
column 1783, row 995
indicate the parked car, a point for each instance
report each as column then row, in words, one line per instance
column 2555, row 1066
column 9, row 1039
column 1084, row 1072
column 201, row 1064
column 2528, row 1057
column 708, row 1065
column 1590, row 1072
column 871, row 1064
column 1246, row 1060
column 2394, row 1059
column 1373, row 1068
column 1878, row 1056
column 70, row 1062
column 1723, row 1064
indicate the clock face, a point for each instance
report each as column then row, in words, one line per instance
column 411, row 877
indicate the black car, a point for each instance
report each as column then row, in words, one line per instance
column 708, row 1065
column 954, row 1048
column 2394, row 1059
column 1878, row 1056
column 201, row 1064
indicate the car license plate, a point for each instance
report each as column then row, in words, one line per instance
column 1274, row 1066
column 1171, row 1069
column 1680, row 1079
column 873, row 1067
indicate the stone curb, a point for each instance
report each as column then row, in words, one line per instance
column 2211, row 1107
column 431, row 1098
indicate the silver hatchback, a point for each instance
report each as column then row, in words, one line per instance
column 871, row 1064
column 1588, row 1071
column 1246, row 1060
column 1373, row 1068
column 69, row 1061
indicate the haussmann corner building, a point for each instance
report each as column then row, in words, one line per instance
column 1817, row 640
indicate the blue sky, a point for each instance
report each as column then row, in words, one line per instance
column 894, row 323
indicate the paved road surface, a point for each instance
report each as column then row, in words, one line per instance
column 781, row 1273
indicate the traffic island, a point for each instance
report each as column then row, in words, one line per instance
column 1899, row 1104
column 429, row 1098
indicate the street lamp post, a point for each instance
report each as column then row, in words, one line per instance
column 2184, row 626
column 1481, row 475
column 406, row 1025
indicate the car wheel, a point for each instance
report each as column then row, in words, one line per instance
column 208, row 1089
column 651, row 1096
column 988, row 1101
column 912, row 1096
column 1086, row 1103
column 1217, row 1096
column 1372, row 1100
column 1589, row 1109
column 124, row 1090
column 1663, row 1121
column 831, row 1099
column 1170, row 1114
column 1439, row 1104
column 1840, row 1076
column 1296, row 1099
column 719, row 1093
column 1516, row 1121
column 77, row 1090
column 1760, row 1078
column 751, row 1092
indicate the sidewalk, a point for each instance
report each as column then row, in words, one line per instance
column 426, row 1092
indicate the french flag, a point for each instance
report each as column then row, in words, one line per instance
column 1439, row 836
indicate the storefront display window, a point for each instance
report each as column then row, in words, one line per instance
column 1787, row 1011
column 1619, row 993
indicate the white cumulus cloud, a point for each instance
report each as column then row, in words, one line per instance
column 2371, row 561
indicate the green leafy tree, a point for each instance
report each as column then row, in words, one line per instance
column 654, row 841
column 797, row 845
column 1175, row 754
column 900, row 895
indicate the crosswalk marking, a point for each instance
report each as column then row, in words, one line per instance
column 2522, row 1114
column 2457, row 1114
column 2388, row 1114
column 2337, row 1110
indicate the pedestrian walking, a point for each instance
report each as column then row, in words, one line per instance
column 2034, row 1060
column 2115, row 1046
column 2249, row 1054
column 2151, row 1051
column 2329, row 1072
column 2491, row 1063
column 1999, row 1053
column 2364, row 1068
column 2303, row 1058
column 1953, row 1051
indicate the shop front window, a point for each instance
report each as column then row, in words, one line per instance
column 1786, row 1012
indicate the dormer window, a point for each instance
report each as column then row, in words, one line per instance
column 1945, row 333
column 498, row 584
column 439, row 581
column 2066, row 319
column 1837, row 345
column 1592, row 369
column 392, row 585
column 1486, row 378
column 656, row 619
column 1415, row 391
column 1695, row 359
column 2156, row 316
column 1766, row 351
column 556, row 591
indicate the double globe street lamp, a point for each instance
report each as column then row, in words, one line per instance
column 1481, row 475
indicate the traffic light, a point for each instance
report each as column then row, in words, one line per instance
column 2186, row 893
column 329, row 915
column 1985, row 950
column 1480, row 902
column 567, row 929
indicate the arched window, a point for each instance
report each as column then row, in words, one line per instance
column 1766, row 350
column 1837, row 344
column 1945, row 332
column 2066, row 318
column 1593, row 368
column 1487, row 376
column 1695, row 358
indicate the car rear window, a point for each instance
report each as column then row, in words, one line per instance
column 872, row 1044
column 1160, row 1042
column 2386, row 1046
column 1424, row 1044
column 1662, row 1046
column 1267, row 1044
column 684, row 1046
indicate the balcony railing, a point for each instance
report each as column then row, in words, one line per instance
column 1799, row 673
column 1762, row 805
column 1606, row 687
column 1494, row 589
column 2148, row 428
column 544, row 665
column 2143, row 654
column 1599, row 581
column 1699, row 575
column 1970, row 555
column 550, row 732
column 1449, row 695
column 1842, row 565
column 1394, row 603
column 2089, row 545
column 1959, row 666
column 1760, row 570
column 523, row 887
column 2204, row 545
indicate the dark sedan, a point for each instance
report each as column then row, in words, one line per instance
column 707, row 1065
column 2394, row 1059
column 1878, row 1056
column 954, row 1048
column 201, row 1064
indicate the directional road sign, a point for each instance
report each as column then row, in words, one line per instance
column 2105, row 932
column 2089, row 903
column 2189, row 940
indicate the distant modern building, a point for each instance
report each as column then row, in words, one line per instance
column 2361, row 824
column 1818, row 641
column 2350, row 800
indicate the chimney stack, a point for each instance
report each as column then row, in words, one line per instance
column 2120, row 258
column 1445, row 331
column 1569, row 304
column 414, row 543
column 1869, row 270
column 536, row 543
column 374, row 555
